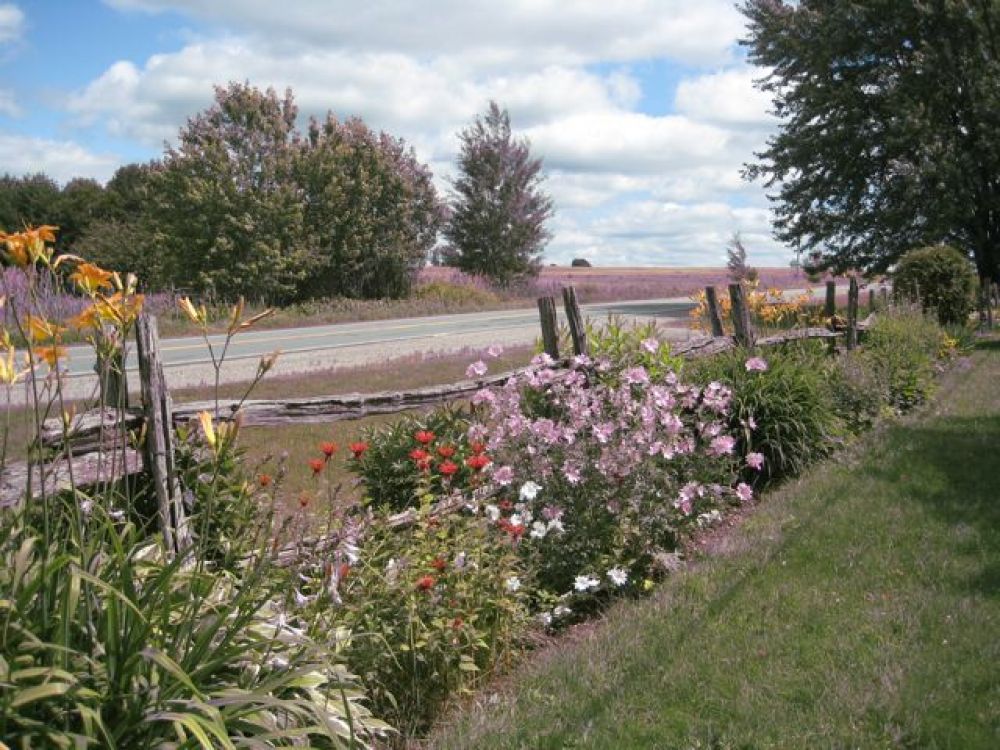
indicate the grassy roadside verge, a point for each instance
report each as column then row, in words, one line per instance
column 858, row 607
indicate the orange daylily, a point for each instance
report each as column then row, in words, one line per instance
column 51, row 354
column 91, row 278
column 119, row 308
column 195, row 315
column 89, row 318
column 40, row 329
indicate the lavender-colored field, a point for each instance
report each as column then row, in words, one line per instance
column 607, row 284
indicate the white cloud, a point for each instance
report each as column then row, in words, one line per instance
column 11, row 22
column 60, row 160
column 8, row 104
column 488, row 33
column 727, row 97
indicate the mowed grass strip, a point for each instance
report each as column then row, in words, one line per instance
column 859, row 607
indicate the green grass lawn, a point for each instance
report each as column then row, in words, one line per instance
column 859, row 607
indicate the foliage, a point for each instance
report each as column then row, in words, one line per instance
column 597, row 475
column 630, row 344
column 113, row 638
column 420, row 613
column 581, row 263
column 888, row 113
column 498, row 210
column 781, row 406
column 941, row 278
column 900, row 351
column 402, row 461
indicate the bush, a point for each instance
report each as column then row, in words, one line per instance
column 942, row 277
column 580, row 263
column 421, row 613
column 402, row 461
column 900, row 350
column 783, row 410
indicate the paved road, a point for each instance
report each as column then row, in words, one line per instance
column 180, row 352
column 312, row 348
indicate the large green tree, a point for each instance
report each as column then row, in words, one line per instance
column 498, row 209
column 889, row 113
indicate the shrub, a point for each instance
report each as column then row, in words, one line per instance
column 580, row 263
column 900, row 350
column 783, row 410
column 598, row 471
column 942, row 277
column 630, row 344
column 402, row 461
column 423, row 612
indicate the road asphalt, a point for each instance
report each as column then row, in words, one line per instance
column 310, row 348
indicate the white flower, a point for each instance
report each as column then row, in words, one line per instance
column 516, row 519
column 586, row 583
column 117, row 515
column 86, row 506
column 545, row 618
column 539, row 530
column 301, row 599
column 710, row 518
column 530, row 490
column 618, row 576
column 561, row 611
column 460, row 560
column 493, row 512
column 512, row 584
column 555, row 525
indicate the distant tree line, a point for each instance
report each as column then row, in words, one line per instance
column 247, row 204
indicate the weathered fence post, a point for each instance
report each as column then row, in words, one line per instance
column 575, row 319
column 550, row 332
column 852, row 314
column 714, row 313
column 871, row 301
column 831, row 300
column 885, row 297
column 157, row 409
column 742, row 326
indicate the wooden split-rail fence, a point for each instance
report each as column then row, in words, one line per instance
column 107, row 445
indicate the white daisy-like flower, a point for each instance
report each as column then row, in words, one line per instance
column 512, row 584
column 561, row 611
column 586, row 583
column 529, row 491
column 539, row 530
column 618, row 576
column 492, row 512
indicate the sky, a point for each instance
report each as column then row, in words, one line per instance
column 643, row 111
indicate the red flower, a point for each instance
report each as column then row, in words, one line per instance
column 328, row 449
column 446, row 451
column 505, row 505
column 448, row 468
column 457, row 623
column 424, row 464
column 478, row 447
column 423, row 436
column 425, row 583
column 515, row 530
column 343, row 571
column 419, row 454
column 439, row 564
column 478, row 462
column 358, row 448
column 264, row 480
column 316, row 464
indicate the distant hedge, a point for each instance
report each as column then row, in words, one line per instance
column 942, row 278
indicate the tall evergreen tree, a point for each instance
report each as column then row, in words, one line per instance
column 889, row 119
column 498, row 210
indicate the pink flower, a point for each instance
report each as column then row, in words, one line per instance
column 744, row 492
column 722, row 445
column 755, row 460
column 476, row 369
column 571, row 470
column 756, row 364
column 636, row 376
column 495, row 350
column 542, row 360
column 650, row 345
column 503, row 475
